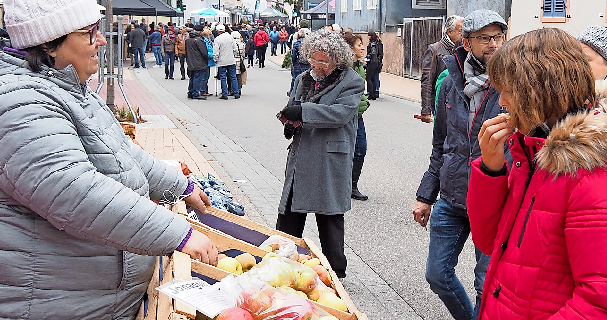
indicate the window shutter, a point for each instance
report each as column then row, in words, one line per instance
column 555, row 8
column 357, row 5
column 344, row 5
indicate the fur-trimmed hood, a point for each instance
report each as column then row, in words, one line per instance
column 579, row 141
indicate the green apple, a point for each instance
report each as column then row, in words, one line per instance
column 230, row 265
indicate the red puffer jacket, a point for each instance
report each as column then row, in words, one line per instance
column 545, row 225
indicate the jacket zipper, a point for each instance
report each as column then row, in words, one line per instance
column 520, row 239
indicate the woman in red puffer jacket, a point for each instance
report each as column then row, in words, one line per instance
column 543, row 220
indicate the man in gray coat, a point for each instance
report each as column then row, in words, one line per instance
column 321, row 117
column 137, row 39
column 223, row 53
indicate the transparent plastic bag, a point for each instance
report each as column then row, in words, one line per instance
column 279, row 303
column 283, row 247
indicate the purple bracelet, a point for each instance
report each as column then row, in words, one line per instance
column 187, row 237
column 188, row 191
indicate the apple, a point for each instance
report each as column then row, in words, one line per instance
column 312, row 262
column 221, row 256
column 269, row 255
column 266, row 248
column 330, row 299
column 230, row 265
column 314, row 294
column 258, row 302
column 234, row 313
column 323, row 274
column 306, row 280
column 247, row 261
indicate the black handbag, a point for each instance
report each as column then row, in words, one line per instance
column 242, row 67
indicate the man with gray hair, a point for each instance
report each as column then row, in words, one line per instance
column 466, row 99
column 433, row 65
column 321, row 117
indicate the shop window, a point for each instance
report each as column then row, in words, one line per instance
column 357, row 5
column 429, row 4
column 554, row 11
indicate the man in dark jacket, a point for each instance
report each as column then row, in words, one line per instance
column 465, row 101
column 198, row 60
column 433, row 64
column 137, row 40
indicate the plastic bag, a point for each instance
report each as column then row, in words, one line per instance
column 283, row 247
column 279, row 303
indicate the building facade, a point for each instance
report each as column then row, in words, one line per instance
column 572, row 16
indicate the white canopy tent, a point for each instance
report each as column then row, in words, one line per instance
column 210, row 14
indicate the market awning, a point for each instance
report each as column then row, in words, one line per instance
column 271, row 12
column 209, row 12
column 131, row 7
column 163, row 9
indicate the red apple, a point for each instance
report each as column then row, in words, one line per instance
column 234, row 313
column 323, row 274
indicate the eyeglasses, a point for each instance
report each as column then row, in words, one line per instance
column 320, row 63
column 92, row 31
column 486, row 39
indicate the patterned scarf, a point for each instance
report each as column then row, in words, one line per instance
column 477, row 84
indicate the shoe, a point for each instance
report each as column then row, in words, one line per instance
column 166, row 77
column 190, row 97
column 206, row 94
column 171, row 78
column 182, row 78
column 236, row 97
column 230, row 94
column 200, row 98
column 223, row 97
column 357, row 166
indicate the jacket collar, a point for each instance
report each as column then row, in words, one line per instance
column 579, row 141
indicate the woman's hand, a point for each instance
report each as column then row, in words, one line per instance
column 491, row 139
column 200, row 247
column 198, row 199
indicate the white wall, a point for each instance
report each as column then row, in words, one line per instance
column 584, row 13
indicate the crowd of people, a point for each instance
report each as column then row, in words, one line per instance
column 519, row 152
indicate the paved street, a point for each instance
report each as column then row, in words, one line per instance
column 243, row 142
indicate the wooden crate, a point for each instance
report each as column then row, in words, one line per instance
column 180, row 267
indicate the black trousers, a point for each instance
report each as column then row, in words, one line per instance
column 331, row 232
column 182, row 64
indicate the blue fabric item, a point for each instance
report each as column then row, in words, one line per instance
column 169, row 63
column 228, row 73
column 273, row 36
column 206, row 74
column 157, row 54
column 449, row 230
column 139, row 56
column 360, row 149
column 195, row 84
column 155, row 37
column 210, row 51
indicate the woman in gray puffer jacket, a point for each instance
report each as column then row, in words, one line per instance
column 78, row 231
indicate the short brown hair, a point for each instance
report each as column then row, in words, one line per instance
column 546, row 74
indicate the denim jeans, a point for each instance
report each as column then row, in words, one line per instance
column 157, row 54
column 169, row 63
column 360, row 149
column 449, row 230
column 274, row 46
column 226, row 72
column 139, row 56
column 204, row 86
column 283, row 47
column 195, row 84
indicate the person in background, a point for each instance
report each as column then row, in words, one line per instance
column 127, row 34
column 541, row 218
column 594, row 44
column 250, row 52
column 80, row 232
column 360, row 149
column 223, row 54
column 137, row 39
column 274, row 38
column 197, row 57
column 321, row 118
column 261, row 45
column 180, row 49
column 156, row 42
column 189, row 23
column 168, row 47
column 146, row 30
column 206, row 36
column 375, row 56
column 433, row 65
column 298, row 62
column 239, row 55
column 283, row 36
column 465, row 101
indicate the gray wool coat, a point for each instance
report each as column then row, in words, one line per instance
column 319, row 162
column 78, row 231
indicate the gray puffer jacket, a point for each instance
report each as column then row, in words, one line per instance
column 77, row 229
